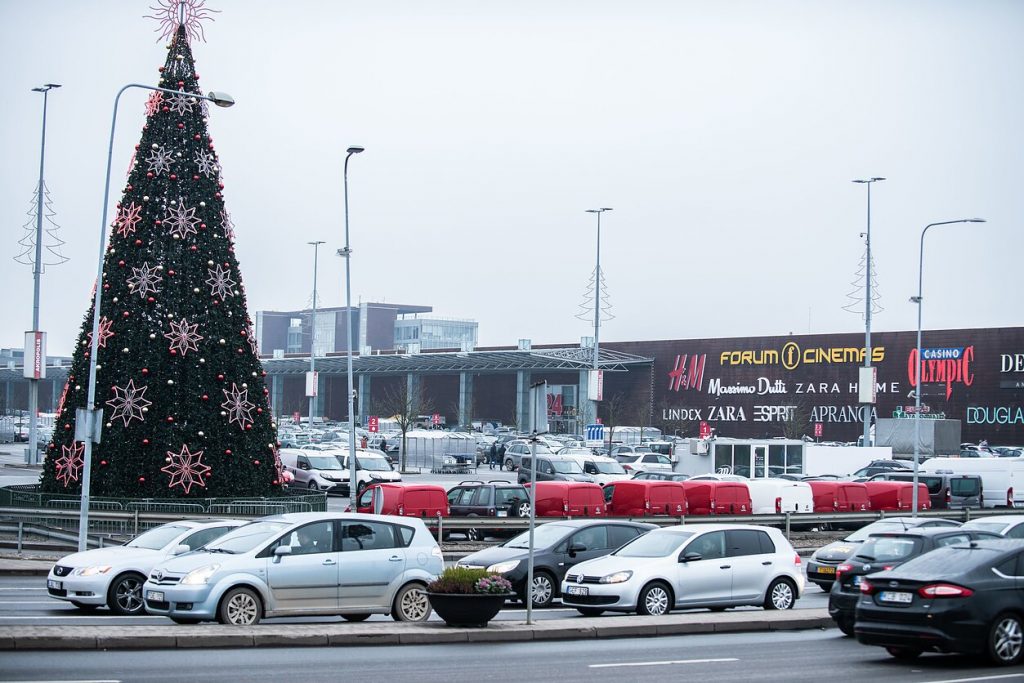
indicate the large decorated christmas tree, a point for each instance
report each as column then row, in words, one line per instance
column 185, row 409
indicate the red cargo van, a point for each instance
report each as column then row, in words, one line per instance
column 643, row 497
column 897, row 495
column 568, row 499
column 840, row 496
column 408, row 500
column 705, row 497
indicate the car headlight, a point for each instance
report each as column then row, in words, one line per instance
column 199, row 576
column 91, row 571
column 617, row 577
column 503, row 567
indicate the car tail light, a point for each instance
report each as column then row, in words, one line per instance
column 490, row 512
column 796, row 559
column 778, row 505
column 1009, row 497
column 866, row 587
column 401, row 509
column 841, row 569
column 944, row 590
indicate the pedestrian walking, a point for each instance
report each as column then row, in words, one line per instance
column 493, row 459
column 501, row 455
column 384, row 444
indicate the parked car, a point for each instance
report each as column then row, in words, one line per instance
column 552, row 468
column 887, row 550
column 495, row 498
column 113, row 576
column 946, row 491
column 628, row 449
column 897, row 495
column 372, row 467
column 769, row 496
column 644, row 462
column 963, row 598
column 712, row 497
column 878, row 466
column 304, row 563
column 602, row 469
column 662, row 476
column 641, row 498
column 696, row 565
column 1010, row 526
column 515, row 452
column 558, row 546
column 567, row 499
column 821, row 568
column 427, row 501
column 315, row 470
column 839, row 496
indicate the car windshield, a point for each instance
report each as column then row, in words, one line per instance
column 658, row 543
column 246, row 537
column 372, row 463
column 888, row 548
column 157, row 538
column 609, row 468
column 323, row 462
column 544, row 536
column 567, row 467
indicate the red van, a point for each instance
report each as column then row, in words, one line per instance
column 643, row 497
column 840, row 496
column 568, row 499
column 897, row 495
column 706, row 497
column 407, row 500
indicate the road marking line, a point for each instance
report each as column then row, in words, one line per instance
column 663, row 663
column 979, row 678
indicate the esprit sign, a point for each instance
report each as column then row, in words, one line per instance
column 947, row 366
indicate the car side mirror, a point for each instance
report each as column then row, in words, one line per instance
column 180, row 549
column 303, row 466
column 576, row 548
column 691, row 557
column 282, row 550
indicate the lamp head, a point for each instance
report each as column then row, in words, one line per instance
column 221, row 99
column 45, row 87
column 875, row 180
column 976, row 220
column 355, row 150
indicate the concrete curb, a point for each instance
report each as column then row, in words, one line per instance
column 386, row 633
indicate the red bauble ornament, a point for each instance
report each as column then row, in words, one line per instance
column 106, row 286
column 195, row 177
column 145, row 371
column 259, row 411
column 220, row 185
column 181, row 84
column 266, row 391
column 220, row 378
column 121, row 263
column 126, row 314
column 248, row 427
column 165, row 109
column 138, row 243
column 161, row 69
column 142, row 480
column 149, row 174
column 103, row 463
column 197, row 136
column 263, row 374
column 216, row 302
column 174, row 352
column 202, row 226
column 150, row 299
column 129, row 188
column 170, row 272
column 170, row 419
column 180, row 125
column 205, row 397
column 173, row 177
column 145, row 442
column 217, row 195
column 227, row 451
column 67, row 427
column 256, row 462
column 158, row 222
column 243, row 333
column 211, row 144
column 192, row 248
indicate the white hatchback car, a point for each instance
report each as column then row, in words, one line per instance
column 644, row 462
column 681, row 567
column 114, row 576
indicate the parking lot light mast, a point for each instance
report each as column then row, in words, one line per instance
column 597, row 296
column 353, row 487
column 37, row 269
column 312, row 336
column 917, row 370
column 867, row 306
column 91, row 415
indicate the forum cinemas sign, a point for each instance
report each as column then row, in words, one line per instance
column 791, row 356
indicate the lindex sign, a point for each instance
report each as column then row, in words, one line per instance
column 185, row 407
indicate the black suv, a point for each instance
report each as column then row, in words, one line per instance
column 879, row 466
column 494, row 498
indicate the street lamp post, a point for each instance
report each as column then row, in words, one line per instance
column 867, row 306
column 917, row 371
column 597, row 295
column 353, row 484
column 37, row 269
column 312, row 336
column 91, row 416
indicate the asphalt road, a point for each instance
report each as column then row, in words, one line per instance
column 789, row 657
column 24, row 602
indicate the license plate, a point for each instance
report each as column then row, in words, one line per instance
column 826, row 570
column 577, row 590
column 502, row 513
column 57, row 585
column 155, row 596
column 896, row 596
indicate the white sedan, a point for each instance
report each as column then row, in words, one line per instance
column 114, row 576
column 644, row 462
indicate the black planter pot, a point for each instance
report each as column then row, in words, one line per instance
column 467, row 609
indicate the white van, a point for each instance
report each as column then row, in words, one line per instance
column 371, row 467
column 1002, row 478
column 771, row 496
column 604, row 470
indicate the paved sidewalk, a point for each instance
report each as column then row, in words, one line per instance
column 388, row 633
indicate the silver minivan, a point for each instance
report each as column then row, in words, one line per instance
column 297, row 564
column 315, row 470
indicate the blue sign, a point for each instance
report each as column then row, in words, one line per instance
column 595, row 432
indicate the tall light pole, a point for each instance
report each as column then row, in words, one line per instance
column 346, row 253
column 90, row 415
column 37, row 269
column 917, row 371
column 312, row 336
column 597, row 296
column 867, row 307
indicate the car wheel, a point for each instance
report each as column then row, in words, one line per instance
column 84, row 607
column 312, row 486
column 1006, row 639
column 240, row 607
column 846, row 626
column 780, row 595
column 509, row 465
column 590, row 611
column 543, row 589
column 904, row 653
column 185, row 620
column 655, row 599
column 355, row 617
column 411, row 604
column 125, row 594
column 475, row 535
column 521, row 509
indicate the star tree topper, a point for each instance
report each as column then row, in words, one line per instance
column 187, row 13
column 186, row 469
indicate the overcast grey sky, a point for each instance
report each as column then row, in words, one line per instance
column 724, row 134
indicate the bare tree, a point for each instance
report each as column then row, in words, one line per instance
column 403, row 406
column 797, row 422
column 675, row 427
column 614, row 413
